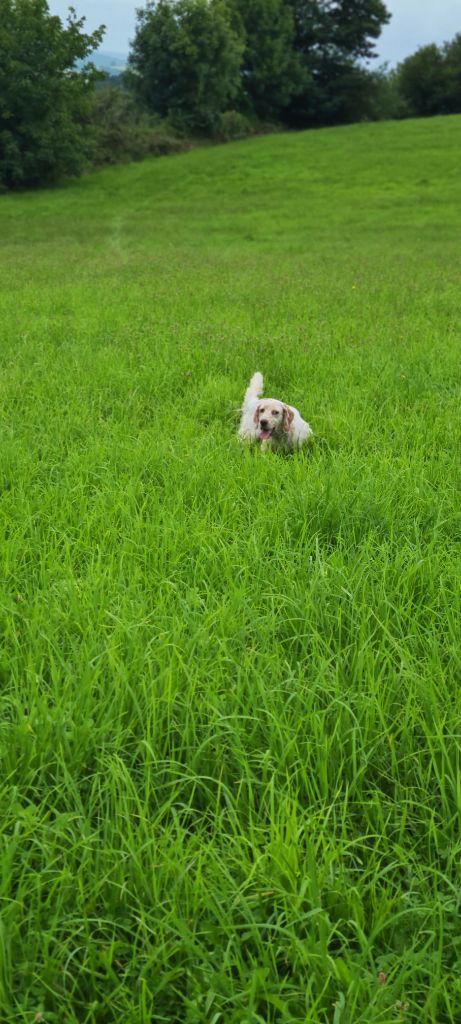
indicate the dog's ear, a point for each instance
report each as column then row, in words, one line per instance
column 288, row 417
column 256, row 415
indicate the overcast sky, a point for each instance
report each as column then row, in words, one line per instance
column 413, row 23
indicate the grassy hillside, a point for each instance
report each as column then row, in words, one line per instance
column 230, row 723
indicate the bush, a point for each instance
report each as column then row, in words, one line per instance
column 123, row 131
column 232, row 125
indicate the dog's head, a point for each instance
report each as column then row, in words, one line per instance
column 272, row 419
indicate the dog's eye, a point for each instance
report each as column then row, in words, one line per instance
column 275, row 412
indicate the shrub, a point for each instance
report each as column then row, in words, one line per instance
column 123, row 131
column 233, row 125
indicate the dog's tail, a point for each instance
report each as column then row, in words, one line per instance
column 254, row 389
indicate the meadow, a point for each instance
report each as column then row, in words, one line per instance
column 230, row 709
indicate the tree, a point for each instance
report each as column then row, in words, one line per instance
column 429, row 80
column 423, row 82
column 332, row 39
column 384, row 100
column 452, row 57
column 185, row 60
column 44, row 98
column 271, row 70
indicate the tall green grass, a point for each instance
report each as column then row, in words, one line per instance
column 230, row 710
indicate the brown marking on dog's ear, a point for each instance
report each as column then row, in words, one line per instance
column 256, row 415
column 288, row 417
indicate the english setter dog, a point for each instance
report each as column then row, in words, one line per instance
column 273, row 423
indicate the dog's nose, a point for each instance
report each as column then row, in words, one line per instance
column 264, row 424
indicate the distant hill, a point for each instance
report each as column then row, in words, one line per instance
column 113, row 63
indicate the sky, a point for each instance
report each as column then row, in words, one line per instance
column 414, row 23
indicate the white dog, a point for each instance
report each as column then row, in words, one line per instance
column 274, row 423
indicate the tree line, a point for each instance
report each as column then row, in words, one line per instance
column 298, row 62
column 215, row 68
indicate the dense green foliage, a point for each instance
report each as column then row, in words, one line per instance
column 429, row 81
column 302, row 63
column 44, row 100
column 270, row 71
column 297, row 60
column 230, row 705
column 123, row 131
column 185, row 61
column 332, row 39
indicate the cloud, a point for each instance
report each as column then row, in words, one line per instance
column 415, row 23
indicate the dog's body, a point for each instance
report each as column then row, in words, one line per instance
column 269, row 421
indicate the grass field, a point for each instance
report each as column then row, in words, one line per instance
column 230, row 710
